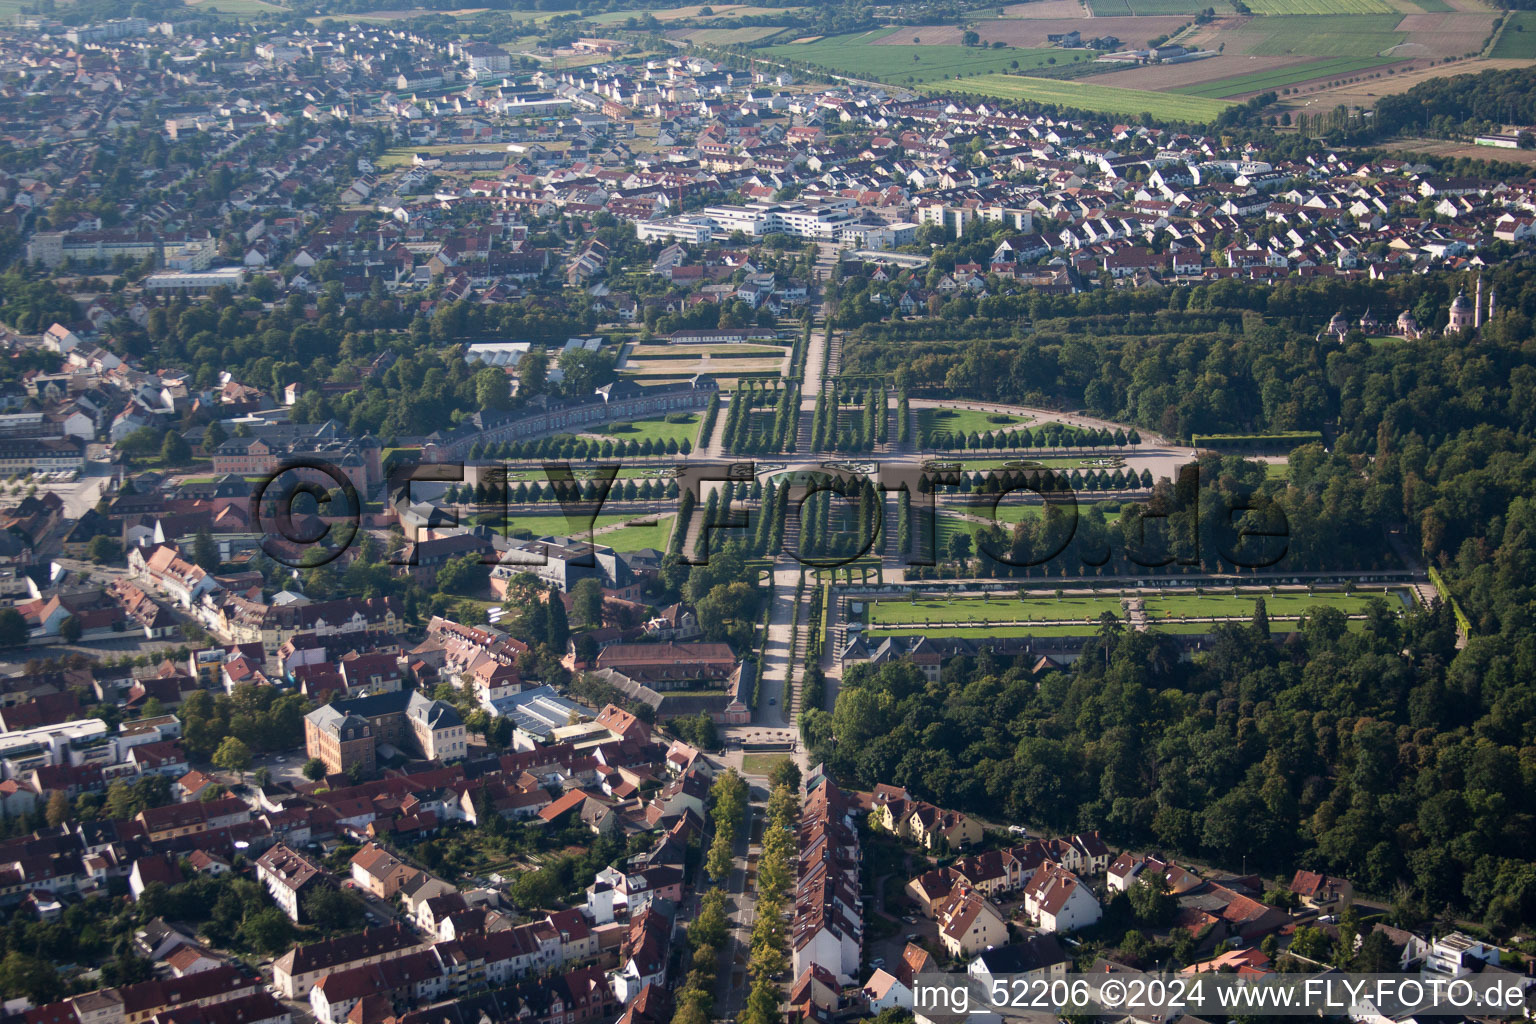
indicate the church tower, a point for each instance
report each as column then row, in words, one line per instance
column 1477, row 304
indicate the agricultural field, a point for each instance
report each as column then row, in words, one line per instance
column 967, row 420
column 653, row 430
column 726, row 36
column 908, row 62
column 1154, row 8
column 1281, row 8
column 669, row 14
column 1081, row 95
column 1034, row 32
column 384, row 16
column 1324, row 36
column 234, row 8
column 1518, row 40
column 1278, row 78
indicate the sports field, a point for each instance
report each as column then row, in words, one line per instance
column 1278, row 78
column 857, row 55
column 1081, row 95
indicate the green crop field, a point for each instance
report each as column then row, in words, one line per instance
column 966, row 420
column 1518, row 40
column 1434, row 6
column 1320, row 7
column 854, row 55
column 731, row 36
column 1278, row 78
column 655, row 429
column 1155, row 8
column 1080, row 95
column 1364, row 35
column 237, row 8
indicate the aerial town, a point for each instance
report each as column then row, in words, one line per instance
column 549, row 517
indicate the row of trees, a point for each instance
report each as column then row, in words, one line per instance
column 1053, row 435
column 568, row 447
column 769, row 947
column 747, row 433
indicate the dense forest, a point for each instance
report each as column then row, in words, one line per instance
column 1382, row 755
column 1385, row 755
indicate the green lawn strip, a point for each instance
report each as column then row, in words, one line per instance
column 634, row 538
column 981, row 632
column 657, row 429
column 986, row 609
column 968, row 420
column 557, row 525
column 1345, row 35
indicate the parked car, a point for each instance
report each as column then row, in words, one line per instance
column 877, row 963
column 1018, row 830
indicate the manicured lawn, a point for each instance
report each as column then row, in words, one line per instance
column 1170, row 606
column 557, row 525
column 982, row 632
column 1080, row 95
column 966, row 420
column 633, row 538
column 655, row 430
column 761, row 764
column 992, row 609
column 855, row 54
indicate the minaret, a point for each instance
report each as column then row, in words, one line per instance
column 1477, row 305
